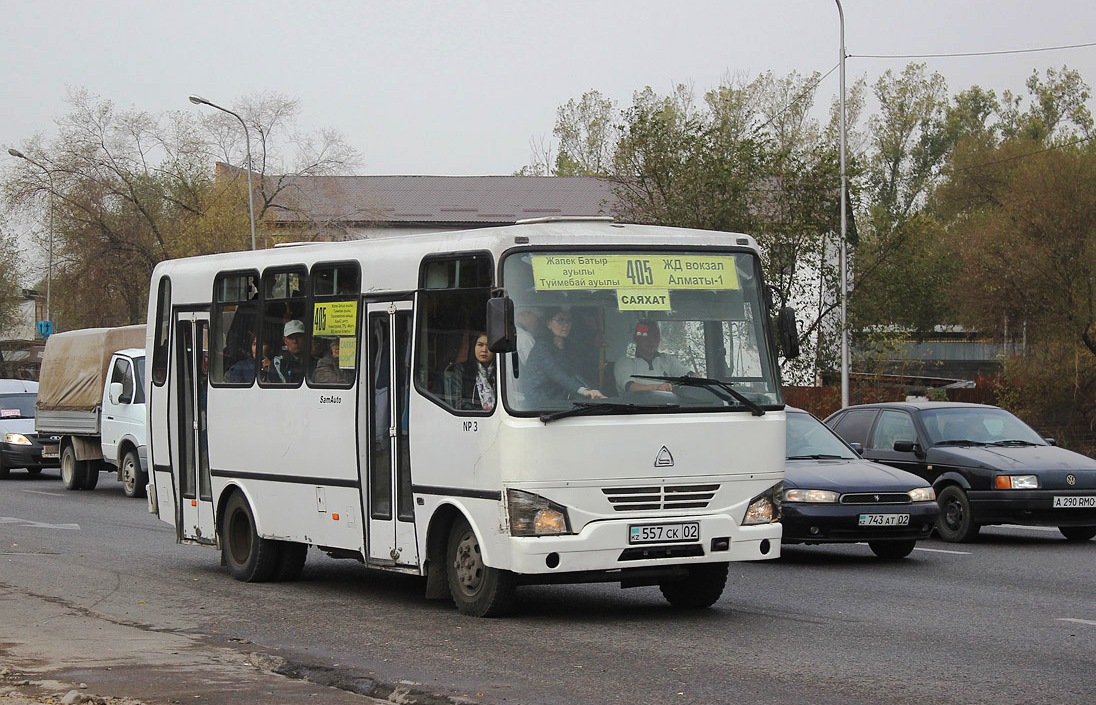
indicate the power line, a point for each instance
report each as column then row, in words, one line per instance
column 971, row 53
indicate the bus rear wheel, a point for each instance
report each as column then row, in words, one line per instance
column 249, row 557
column 701, row 588
column 477, row 590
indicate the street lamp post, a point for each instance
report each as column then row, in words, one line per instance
column 198, row 100
column 844, row 225
column 49, row 271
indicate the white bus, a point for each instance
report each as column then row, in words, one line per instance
column 496, row 482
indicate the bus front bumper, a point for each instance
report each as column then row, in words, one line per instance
column 605, row 545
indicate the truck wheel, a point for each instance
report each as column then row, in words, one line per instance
column 250, row 558
column 73, row 471
column 133, row 478
column 91, row 476
column 477, row 590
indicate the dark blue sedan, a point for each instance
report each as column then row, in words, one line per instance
column 832, row 495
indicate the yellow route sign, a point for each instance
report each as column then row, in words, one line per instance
column 634, row 272
column 335, row 318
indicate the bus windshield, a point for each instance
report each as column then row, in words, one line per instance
column 623, row 328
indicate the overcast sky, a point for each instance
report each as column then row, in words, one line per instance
column 454, row 87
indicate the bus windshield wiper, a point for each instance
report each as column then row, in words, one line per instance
column 587, row 408
column 723, row 390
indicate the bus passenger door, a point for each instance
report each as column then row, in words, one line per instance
column 188, row 428
column 387, row 473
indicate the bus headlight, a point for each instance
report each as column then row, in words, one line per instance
column 765, row 508
column 533, row 515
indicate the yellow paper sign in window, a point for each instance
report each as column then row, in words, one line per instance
column 631, row 271
column 643, row 299
column 335, row 318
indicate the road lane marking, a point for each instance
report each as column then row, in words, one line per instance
column 1089, row 622
column 944, row 550
column 38, row 524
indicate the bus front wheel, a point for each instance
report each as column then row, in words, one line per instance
column 249, row 557
column 477, row 590
column 701, row 588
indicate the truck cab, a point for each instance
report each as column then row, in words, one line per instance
column 122, row 427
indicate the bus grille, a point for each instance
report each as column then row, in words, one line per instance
column 646, row 499
column 875, row 498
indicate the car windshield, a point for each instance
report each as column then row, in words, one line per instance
column 972, row 425
column 810, row 438
column 17, row 406
column 623, row 327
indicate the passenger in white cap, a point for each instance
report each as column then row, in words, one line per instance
column 288, row 365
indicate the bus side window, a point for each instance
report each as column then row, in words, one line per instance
column 233, row 325
column 283, row 332
column 335, row 295
column 452, row 302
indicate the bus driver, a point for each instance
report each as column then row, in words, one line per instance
column 647, row 361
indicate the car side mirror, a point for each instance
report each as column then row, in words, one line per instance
column 1051, row 441
column 858, row 447
column 909, row 447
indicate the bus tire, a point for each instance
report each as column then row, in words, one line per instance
column 477, row 590
column 133, row 478
column 701, row 588
column 250, row 558
column 73, row 471
column 291, row 562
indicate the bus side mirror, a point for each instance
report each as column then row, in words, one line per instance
column 502, row 334
column 788, row 331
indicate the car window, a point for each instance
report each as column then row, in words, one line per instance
column 17, row 406
column 893, row 426
column 854, row 425
column 807, row 437
column 979, row 424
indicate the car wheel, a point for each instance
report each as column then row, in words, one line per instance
column 250, row 558
column 133, row 478
column 291, row 562
column 1078, row 533
column 4, row 470
column 73, row 471
column 700, row 589
column 955, row 524
column 892, row 550
column 477, row 590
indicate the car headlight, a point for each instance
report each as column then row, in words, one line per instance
column 764, row 508
column 922, row 494
column 814, row 496
column 17, row 439
column 533, row 515
column 1016, row 482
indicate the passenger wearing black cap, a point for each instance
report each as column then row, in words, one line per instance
column 647, row 361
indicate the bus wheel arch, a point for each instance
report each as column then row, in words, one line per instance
column 248, row 557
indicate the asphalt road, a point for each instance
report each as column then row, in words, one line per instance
column 1008, row 619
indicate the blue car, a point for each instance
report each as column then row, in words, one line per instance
column 832, row 495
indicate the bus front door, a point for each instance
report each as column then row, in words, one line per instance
column 195, row 520
column 387, row 473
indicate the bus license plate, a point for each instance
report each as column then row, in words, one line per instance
column 50, row 452
column 1075, row 502
column 683, row 532
column 884, row 520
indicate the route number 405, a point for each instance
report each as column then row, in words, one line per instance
column 639, row 272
